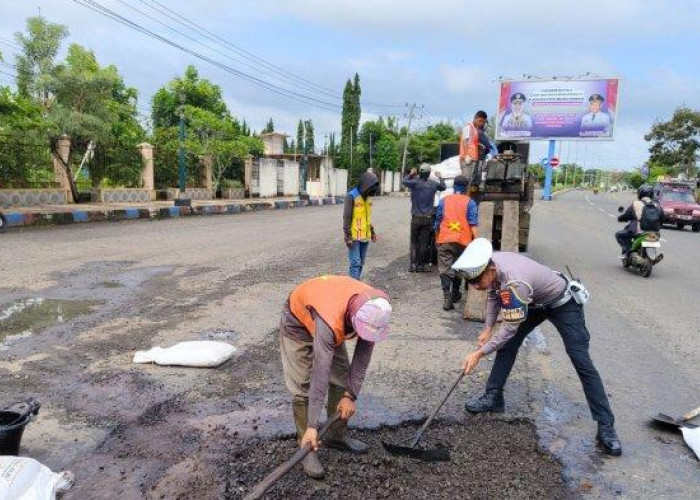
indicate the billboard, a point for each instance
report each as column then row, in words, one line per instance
column 557, row 109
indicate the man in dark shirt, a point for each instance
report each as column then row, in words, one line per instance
column 423, row 191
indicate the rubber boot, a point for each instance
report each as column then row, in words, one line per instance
column 492, row 400
column 338, row 435
column 312, row 465
column 446, row 283
column 456, row 294
column 607, row 438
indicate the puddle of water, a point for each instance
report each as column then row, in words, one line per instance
column 26, row 317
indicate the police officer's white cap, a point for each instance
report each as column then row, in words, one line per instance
column 475, row 259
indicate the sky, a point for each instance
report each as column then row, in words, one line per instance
column 446, row 55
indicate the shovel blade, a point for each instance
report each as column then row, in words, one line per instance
column 663, row 419
column 430, row 455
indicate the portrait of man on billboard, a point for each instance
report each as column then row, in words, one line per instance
column 517, row 119
column 596, row 120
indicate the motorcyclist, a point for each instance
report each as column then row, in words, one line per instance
column 632, row 216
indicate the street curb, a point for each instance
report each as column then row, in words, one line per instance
column 28, row 219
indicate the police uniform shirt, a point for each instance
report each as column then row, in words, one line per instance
column 520, row 283
column 516, row 122
column 596, row 121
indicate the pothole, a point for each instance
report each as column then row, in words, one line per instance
column 25, row 317
column 489, row 459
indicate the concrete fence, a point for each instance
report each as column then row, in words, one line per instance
column 33, row 197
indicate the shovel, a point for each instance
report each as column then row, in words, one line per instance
column 430, row 455
column 683, row 421
column 281, row 470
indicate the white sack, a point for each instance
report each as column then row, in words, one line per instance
column 23, row 478
column 692, row 439
column 198, row 353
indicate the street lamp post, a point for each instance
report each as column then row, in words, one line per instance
column 181, row 200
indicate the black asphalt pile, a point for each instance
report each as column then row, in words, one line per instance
column 490, row 458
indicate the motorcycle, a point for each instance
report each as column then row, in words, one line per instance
column 645, row 252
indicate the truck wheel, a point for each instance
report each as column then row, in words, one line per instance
column 680, row 225
column 696, row 227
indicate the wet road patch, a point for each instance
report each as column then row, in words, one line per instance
column 25, row 317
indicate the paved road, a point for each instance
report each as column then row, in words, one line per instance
column 159, row 282
column 645, row 342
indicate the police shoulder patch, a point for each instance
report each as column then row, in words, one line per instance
column 513, row 308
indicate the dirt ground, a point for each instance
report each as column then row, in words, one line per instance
column 140, row 431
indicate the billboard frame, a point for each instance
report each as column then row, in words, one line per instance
column 497, row 127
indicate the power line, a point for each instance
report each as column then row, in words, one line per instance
column 293, row 78
column 270, row 68
column 7, row 41
column 256, row 62
column 290, row 94
column 195, row 40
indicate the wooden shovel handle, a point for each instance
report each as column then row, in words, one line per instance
column 420, row 432
column 281, row 470
column 691, row 414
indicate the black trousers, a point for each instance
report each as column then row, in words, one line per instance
column 571, row 325
column 624, row 239
column 421, row 227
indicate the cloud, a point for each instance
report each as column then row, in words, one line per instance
column 443, row 54
column 593, row 22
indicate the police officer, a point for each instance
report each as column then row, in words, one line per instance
column 517, row 119
column 526, row 293
column 596, row 119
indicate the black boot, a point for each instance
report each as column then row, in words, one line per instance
column 446, row 283
column 607, row 438
column 312, row 465
column 337, row 436
column 456, row 294
column 492, row 400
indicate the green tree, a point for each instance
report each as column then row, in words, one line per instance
column 309, row 142
column 350, row 123
column 424, row 147
column 218, row 138
column 386, row 154
column 210, row 131
column 269, row 127
column 93, row 104
column 35, row 63
column 189, row 89
column 25, row 159
column 676, row 142
column 300, row 138
column 333, row 147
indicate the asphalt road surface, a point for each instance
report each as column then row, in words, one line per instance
column 93, row 294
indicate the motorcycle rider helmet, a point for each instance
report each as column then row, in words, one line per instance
column 645, row 191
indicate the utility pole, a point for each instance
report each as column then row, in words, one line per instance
column 182, row 143
column 351, row 161
column 410, row 115
column 370, row 152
